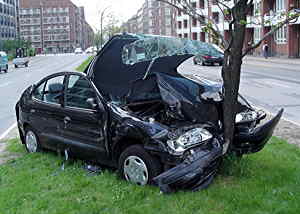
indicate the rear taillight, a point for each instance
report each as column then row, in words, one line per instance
column 207, row 57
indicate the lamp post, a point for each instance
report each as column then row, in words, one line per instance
column 101, row 25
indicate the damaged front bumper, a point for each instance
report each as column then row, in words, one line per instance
column 253, row 140
column 195, row 172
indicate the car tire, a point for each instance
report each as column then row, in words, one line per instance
column 16, row 66
column 220, row 63
column 135, row 159
column 32, row 143
column 26, row 65
column 6, row 69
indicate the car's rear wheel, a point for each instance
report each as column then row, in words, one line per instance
column 137, row 166
column 6, row 69
column 16, row 66
column 26, row 64
column 32, row 143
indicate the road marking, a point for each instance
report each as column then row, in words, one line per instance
column 8, row 130
column 5, row 84
column 278, row 84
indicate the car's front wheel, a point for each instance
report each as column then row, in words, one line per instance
column 31, row 141
column 137, row 166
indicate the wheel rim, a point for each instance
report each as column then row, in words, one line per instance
column 135, row 170
column 31, row 142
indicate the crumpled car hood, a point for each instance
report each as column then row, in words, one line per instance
column 114, row 71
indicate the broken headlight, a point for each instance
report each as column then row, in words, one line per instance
column 246, row 117
column 189, row 139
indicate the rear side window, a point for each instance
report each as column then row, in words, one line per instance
column 78, row 91
column 39, row 91
column 54, row 89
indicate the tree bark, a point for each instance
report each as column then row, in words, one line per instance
column 231, row 71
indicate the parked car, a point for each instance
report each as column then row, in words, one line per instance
column 212, row 57
column 78, row 51
column 91, row 50
column 21, row 58
column 133, row 111
column 3, row 62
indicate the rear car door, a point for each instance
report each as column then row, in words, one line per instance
column 46, row 111
column 84, row 125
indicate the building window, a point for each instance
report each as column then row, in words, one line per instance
column 185, row 35
column 185, row 23
column 202, row 36
column 257, row 34
column 194, row 23
column 256, row 8
column 280, row 5
column 179, row 25
column 215, row 17
column 180, row 35
column 280, row 35
column 194, row 4
column 194, row 36
column 179, row 12
column 201, row 4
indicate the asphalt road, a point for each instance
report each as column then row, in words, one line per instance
column 267, row 85
column 13, row 83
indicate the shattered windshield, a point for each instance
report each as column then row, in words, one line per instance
column 148, row 48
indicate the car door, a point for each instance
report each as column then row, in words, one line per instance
column 46, row 111
column 84, row 125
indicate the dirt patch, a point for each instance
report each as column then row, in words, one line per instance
column 288, row 131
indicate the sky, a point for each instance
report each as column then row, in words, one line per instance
column 123, row 9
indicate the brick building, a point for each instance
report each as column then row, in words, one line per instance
column 54, row 26
column 286, row 41
column 8, row 19
column 152, row 18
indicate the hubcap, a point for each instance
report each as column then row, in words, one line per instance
column 31, row 142
column 135, row 170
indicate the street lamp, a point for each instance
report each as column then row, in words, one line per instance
column 101, row 25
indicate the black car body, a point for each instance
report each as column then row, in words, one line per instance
column 211, row 58
column 142, row 117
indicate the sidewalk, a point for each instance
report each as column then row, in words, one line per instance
column 277, row 60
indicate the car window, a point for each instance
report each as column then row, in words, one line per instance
column 54, row 90
column 39, row 91
column 78, row 91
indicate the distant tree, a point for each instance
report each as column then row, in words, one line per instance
column 235, row 13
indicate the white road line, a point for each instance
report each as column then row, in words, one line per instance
column 5, row 84
column 277, row 84
column 8, row 130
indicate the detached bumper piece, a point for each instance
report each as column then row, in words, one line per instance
column 255, row 140
column 196, row 172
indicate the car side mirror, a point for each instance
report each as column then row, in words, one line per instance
column 92, row 102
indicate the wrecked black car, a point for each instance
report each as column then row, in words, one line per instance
column 133, row 111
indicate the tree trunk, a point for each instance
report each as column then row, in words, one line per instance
column 231, row 71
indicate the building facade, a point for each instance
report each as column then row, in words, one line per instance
column 152, row 18
column 54, row 26
column 286, row 41
column 8, row 19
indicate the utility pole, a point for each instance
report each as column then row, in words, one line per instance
column 42, row 29
column 101, row 26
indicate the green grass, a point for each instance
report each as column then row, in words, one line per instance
column 82, row 67
column 265, row 182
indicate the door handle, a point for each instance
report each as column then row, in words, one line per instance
column 67, row 120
